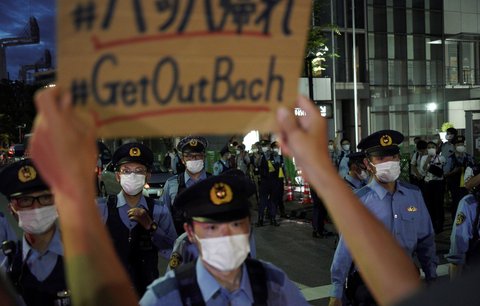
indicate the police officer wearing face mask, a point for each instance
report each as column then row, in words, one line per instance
column 357, row 176
column 455, row 172
column 192, row 149
column 140, row 227
column 36, row 268
column 184, row 251
column 342, row 161
column 218, row 223
column 223, row 164
column 398, row 205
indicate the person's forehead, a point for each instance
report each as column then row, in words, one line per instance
column 345, row 141
column 132, row 165
column 34, row 194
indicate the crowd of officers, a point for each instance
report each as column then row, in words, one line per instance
column 217, row 265
column 208, row 216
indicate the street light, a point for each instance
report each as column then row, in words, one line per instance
column 20, row 127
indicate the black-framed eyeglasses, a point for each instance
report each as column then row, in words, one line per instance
column 27, row 201
column 135, row 171
column 193, row 156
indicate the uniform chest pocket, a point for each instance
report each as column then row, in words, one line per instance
column 407, row 229
column 407, row 216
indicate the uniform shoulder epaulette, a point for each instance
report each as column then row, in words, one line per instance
column 470, row 199
column 409, row 186
column 164, row 287
column 362, row 191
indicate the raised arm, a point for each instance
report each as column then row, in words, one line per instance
column 64, row 149
column 385, row 267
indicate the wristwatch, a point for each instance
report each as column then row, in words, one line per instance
column 153, row 227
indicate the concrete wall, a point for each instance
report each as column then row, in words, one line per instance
column 461, row 16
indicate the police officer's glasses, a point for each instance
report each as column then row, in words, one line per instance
column 27, row 201
column 193, row 156
column 135, row 171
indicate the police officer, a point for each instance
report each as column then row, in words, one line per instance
column 455, row 172
column 357, row 175
column 268, row 190
column 36, row 269
column 192, row 149
column 448, row 148
column 342, row 161
column 140, row 227
column 6, row 234
column 184, row 251
column 398, row 205
column 218, row 223
column 223, row 164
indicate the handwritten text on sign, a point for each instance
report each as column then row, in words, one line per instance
column 181, row 66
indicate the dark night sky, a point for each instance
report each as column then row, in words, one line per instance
column 14, row 15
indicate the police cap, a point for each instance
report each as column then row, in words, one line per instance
column 459, row 139
column 133, row 152
column 194, row 144
column 224, row 150
column 356, row 156
column 221, row 198
column 381, row 143
column 20, row 178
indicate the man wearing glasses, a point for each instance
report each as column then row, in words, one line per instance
column 192, row 149
column 140, row 227
column 36, row 266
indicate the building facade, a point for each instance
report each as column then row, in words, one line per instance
column 415, row 59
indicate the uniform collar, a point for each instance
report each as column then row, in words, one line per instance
column 381, row 191
column 121, row 201
column 209, row 285
column 355, row 182
column 202, row 176
column 55, row 245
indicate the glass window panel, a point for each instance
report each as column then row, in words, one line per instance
column 378, row 72
column 418, row 4
column 380, row 45
column 400, row 47
column 409, row 4
column 390, row 20
column 397, row 72
column 380, row 19
column 391, row 46
column 409, row 21
column 339, row 12
column 418, row 18
column 379, row 2
column 399, row 21
column 371, row 45
column 419, row 47
column 409, row 46
column 436, row 5
column 435, row 23
column 427, row 22
column 399, row 3
column 370, row 18
column 416, row 73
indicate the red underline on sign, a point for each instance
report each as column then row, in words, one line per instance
column 99, row 45
column 214, row 109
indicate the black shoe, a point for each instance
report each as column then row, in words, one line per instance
column 274, row 222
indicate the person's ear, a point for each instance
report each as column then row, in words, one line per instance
column 117, row 176
column 189, row 230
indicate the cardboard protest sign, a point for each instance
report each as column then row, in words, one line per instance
column 176, row 67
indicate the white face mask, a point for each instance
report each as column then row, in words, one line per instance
column 276, row 150
column 237, row 152
column 38, row 220
column 194, row 166
column 254, row 150
column 346, row 147
column 225, row 253
column 264, row 149
column 132, row 183
column 388, row 172
column 449, row 137
column 330, row 147
column 363, row 175
column 460, row 149
column 431, row 151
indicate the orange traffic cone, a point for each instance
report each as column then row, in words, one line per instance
column 307, row 197
column 289, row 191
